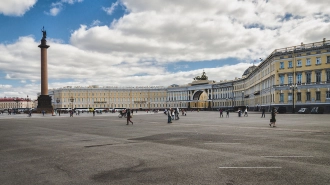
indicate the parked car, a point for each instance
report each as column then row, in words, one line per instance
column 317, row 110
column 303, row 111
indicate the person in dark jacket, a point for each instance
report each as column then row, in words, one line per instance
column 263, row 112
column 273, row 119
column 128, row 112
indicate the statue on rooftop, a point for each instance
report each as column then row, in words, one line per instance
column 203, row 77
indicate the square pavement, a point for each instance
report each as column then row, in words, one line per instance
column 200, row 148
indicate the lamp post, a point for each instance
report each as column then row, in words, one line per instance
column 27, row 101
column 71, row 100
column 293, row 87
column 57, row 102
column 242, row 98
column 270, row 98
column 16, row 100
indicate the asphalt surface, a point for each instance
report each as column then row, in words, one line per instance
column 200, row 148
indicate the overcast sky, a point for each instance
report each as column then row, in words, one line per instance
column 147, row 42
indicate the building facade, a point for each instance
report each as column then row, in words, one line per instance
column 292, row 77
column 15, row 102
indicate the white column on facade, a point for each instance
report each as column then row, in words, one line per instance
column 211, row 94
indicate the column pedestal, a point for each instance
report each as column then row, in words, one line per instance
column 44, row 104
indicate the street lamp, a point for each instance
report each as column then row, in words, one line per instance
column 27, row 101
column 242, row 98
column 16, row 100
column 293, row 87
column 57, row 102
column 71, row 100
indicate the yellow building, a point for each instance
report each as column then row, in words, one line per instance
column 290, row 78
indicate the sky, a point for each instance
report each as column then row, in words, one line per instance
column 147, row 42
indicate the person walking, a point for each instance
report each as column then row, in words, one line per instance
column 43, row 113
column 59, row 112
column 263, row 112
column 245, row 113
column 273, row 119
column 221, row 113
column 128, row 116
column 227, row 113
column 93, row 112
column 169, row 116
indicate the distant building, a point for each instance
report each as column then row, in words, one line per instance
column 292, row 77
column 15, row 102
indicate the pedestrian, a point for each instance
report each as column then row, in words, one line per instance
column 273, row 119
column 245, row 113
column 43, row 113
column 263, row 112
column 93, row 112
column 71, row 113
column 227, row 113
column 172, row 113
column 30, row 113
column 59, row 112
column 169, row 116
column 128, row 112
column 221, row 113
column 239, row 112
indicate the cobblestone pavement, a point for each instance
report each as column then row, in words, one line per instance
column 200, row 148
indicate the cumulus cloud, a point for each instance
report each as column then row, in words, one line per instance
column 137, row 48
column 110, row 9
column 16, row 7
column 171, row 30
column 57, row 7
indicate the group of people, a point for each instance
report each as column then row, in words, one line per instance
column 173, row 114
column 221, row 113
column 272, row 120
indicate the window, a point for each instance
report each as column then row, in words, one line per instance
column 308, row 78
column 318, row 76
column 328, row 76
column 308, row 62
column 281, row 97
column 290, row 79
column 298, row 96
column 328, row 95
column 281, row 65
column 318, row 95
column 281, row 79
column 308, row 96
column 290, row 64
column 328, row 59
column 298, row 63
column 298, row 78
column 290, row 97
column 318, row 61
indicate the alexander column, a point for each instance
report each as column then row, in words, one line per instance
column 44, row 100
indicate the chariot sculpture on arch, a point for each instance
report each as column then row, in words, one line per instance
column 203, row 77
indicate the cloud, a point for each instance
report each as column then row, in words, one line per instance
column 16, row 7
column 137, row 48
column 110, row 10
column 171, row 31
column 57, row 7
column 95, row 23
